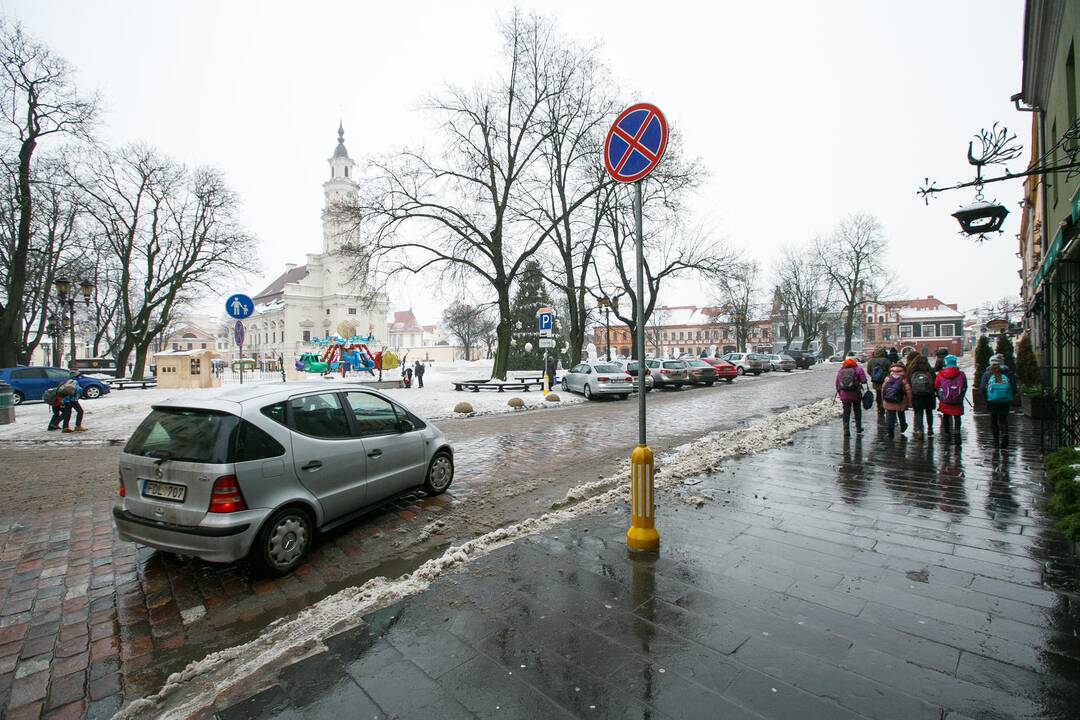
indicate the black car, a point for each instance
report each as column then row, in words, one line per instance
column 803, row 360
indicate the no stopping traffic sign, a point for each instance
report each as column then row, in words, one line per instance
column 635, row 143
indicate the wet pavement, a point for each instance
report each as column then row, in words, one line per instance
column 88, row 623
column 826, row 579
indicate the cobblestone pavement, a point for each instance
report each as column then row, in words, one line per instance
column 88, row 622
column 831, row 579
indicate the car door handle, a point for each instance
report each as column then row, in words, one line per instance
column 374, row 453
column 313, row 465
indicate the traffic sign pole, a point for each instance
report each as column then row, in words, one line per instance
column 633, row 148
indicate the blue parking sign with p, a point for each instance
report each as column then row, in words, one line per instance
column 546, row 319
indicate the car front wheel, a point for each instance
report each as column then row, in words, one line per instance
column 440, row 474
column 17, row 398
column 588, row 392
column 565, row 386
column 283, row 541
column 92, row 392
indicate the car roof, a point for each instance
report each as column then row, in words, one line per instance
column 230, row 399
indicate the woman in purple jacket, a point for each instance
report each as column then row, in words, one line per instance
column 849, row 388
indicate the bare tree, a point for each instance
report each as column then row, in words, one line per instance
column 38, row 99
column 455, row 211
column 738, row 300
column 466, row 323
column 173, row 234
column 853, row 258
column 804, row 287
column 1007, row 308
column 654, row 334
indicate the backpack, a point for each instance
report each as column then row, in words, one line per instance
column 999, row 389
column 893, row 392
column 951, row 391
column 877, row 373
column 848, row 380
column 68, row 388
column 49, row 396
column 922, row 384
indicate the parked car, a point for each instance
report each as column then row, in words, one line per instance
column 744, row 363
column 724, row 370
column 803, row 360
column 30, row 383
column 766, row 366
column 780, row 362
column 630, row 367
column 668, row 373
column 599, row 378
column 701, row 372
column 259, row 469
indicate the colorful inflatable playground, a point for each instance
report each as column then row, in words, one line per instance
column 336, row 352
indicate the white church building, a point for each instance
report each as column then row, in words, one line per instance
column 318, row 298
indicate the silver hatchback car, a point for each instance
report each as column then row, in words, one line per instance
column 258, row 470
column 599, row 378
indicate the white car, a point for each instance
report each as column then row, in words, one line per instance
column 744, row 363
column 599, row 378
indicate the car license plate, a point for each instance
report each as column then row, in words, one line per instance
column 164, row 491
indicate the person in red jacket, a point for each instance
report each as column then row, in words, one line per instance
column 849, row 388
column 951, row 386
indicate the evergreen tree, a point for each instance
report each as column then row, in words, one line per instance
column 531, row 295
column 982, row 357
column 1027, row 367
column 1004, row 347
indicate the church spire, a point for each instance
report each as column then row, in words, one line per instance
column 340, row 150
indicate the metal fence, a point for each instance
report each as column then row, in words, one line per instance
column 1058, row 316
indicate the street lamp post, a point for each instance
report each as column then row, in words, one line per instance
column 53, row 329
column 67, row 306
column 606, row 304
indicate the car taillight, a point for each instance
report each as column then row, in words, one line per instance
column 665, row 372
column 226, row 497
column 602, row 379
column 120, row 491
column 630, row 373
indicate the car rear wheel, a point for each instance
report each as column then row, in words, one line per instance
column 440, row 474
column 283, row 541
column 17, row 398
column 92, row 392
column 588, row 392
column 740, row 370
column 565, row 386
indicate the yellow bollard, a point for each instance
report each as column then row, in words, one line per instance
column 642, row 534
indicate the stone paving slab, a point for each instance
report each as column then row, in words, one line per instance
column 868, row 578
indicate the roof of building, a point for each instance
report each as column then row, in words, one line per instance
column 340, row 151
column 429, row 328
column 405, row 321
column 927, row 303
column 940, row 312
column 277, row 287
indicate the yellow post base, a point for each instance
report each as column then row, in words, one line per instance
column 642, row 534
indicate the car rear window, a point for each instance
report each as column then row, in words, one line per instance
column 191, row 435
column 608, row 368
column 675, row 365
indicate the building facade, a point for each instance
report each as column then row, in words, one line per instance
column 683, row 330
column 924, row 324
column 319, row 298
column 1050, row 225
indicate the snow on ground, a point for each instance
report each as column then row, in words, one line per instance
column 195, row 688
column 113, row 417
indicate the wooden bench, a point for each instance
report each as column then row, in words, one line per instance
column 478, row 385
column 124, row 383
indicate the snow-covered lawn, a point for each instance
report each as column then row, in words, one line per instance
column 114, row 416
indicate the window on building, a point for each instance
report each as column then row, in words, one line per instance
column 327, row 311
column 906, row 331
column 176, row 346
column 947, row 330
column 869, row 319
column 881, row 318
column 204, row 346
column 352, row 311
column 189, row 346
column 886, row 335
column 307, row 336
column 929, row 330
column 1054, row 160
column 871, row 335
column 346, row 171
column 1070, row 91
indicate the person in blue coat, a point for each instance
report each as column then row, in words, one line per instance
column 998, row 385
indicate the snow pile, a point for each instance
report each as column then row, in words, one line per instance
column 197, row 686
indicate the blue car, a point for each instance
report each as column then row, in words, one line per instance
column 30, row 383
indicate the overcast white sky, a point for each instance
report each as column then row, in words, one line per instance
column 803, row 111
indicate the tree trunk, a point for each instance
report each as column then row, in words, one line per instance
column 11, row 317
column 504, row 333
column 140, row 362
column 849, row 328
column 122, row 355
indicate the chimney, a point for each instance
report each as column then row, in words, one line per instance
column 289, row 267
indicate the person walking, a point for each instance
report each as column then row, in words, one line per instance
column 418, row 371
column 896, row 393
column 921, row 379
column 939, row 362
column 951, row 386
column 51, row 397
column 849, row 388
column 550, row 367
column 998, row 385
column 894, row 355
column 69, row 394
column 878, row 369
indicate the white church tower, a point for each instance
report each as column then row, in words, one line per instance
column 339, row 191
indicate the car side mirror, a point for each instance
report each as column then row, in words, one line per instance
column 405, row 425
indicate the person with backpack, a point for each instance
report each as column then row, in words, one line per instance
column 418, row 371
column 69, row 393
column 951, row 386
column 52, row 398
column 896, row 392
column 878, row 367
column 921, row 379
column 849, row 388
column 998, row 385
column 894, row 355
